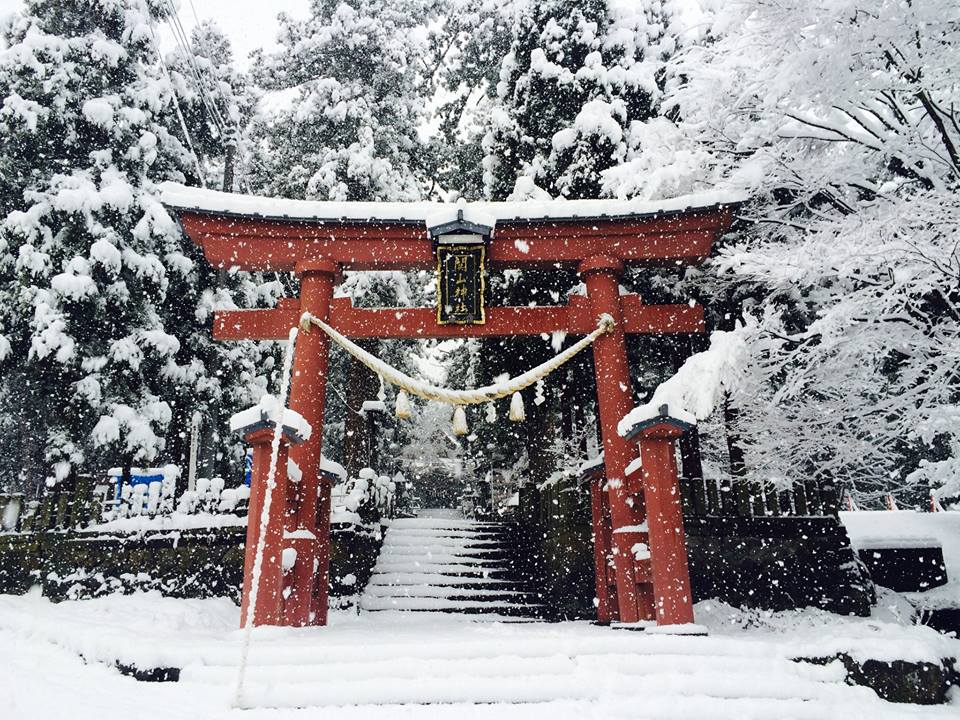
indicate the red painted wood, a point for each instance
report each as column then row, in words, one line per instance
column 318, row 250
column 269, row 609
column 614, row 400
column 576, row 318
column 668, row 550
column 606, row 600
column 252, row 244
column 307, row 603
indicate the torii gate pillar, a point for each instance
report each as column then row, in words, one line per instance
column 309, row 510
column 656, row 437
column 634, row 596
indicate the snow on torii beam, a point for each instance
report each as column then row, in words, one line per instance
column 252, row 233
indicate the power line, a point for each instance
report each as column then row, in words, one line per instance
column 221, row 124
column 183, row 42
column 176, row 106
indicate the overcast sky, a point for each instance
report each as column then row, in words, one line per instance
column 248, row 23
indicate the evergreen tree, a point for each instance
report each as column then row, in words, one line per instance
column 347, row 95
column 578, row 74
column 101, row 297
column 218, row 102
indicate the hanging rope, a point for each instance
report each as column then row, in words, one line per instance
column 458, row 397
column 264, row 519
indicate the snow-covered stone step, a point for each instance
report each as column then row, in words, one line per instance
column 449, row 532
column 750, row 693
column 443, row 556
column 429, row 558
column 434, row 524
column 435, row 579
column 508, row 665
column 399, row 540
column 441, row 568
column 399, row 602
column 270, row 650
column 444, row 591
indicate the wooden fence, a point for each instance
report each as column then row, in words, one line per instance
column 740, row 498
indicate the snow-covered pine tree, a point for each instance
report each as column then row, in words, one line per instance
column 468, row 46
column 577, row 75
column 217, row 100
column 91, row 360
column 346, row 96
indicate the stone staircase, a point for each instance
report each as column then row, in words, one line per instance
column 372, row 665
column 441, row 563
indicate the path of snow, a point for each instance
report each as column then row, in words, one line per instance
column 563, row 670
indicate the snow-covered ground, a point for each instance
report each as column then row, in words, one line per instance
column 363, row 666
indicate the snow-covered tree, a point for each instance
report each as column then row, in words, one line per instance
column 576, row 77
column 100, row 293
column 841, row 120
column 217, row 102
column 346, row 96
column 469, row 46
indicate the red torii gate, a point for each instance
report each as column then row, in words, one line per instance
column 599, row 238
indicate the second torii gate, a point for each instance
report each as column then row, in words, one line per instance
column 318, row 240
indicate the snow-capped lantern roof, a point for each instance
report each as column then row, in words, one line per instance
column 332, row 470
column 592, row 467
column 266, row 414
column 644, row 417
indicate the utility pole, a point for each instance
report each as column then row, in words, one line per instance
column 194, row 442
column 229, row 159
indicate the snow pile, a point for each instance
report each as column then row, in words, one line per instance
column 908, row 528
column 696, row 389
column 363, row 500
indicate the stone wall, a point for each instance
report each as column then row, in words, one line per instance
column 182, row 563
column 775, row 563
column 555, row 540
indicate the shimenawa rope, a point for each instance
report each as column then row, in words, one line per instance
column 459, row 397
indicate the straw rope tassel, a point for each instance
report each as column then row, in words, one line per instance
column 460, row 421
column 403, row 405
column 517, row 413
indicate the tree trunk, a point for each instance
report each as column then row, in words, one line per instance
column 738, row 467
column 362, row 385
